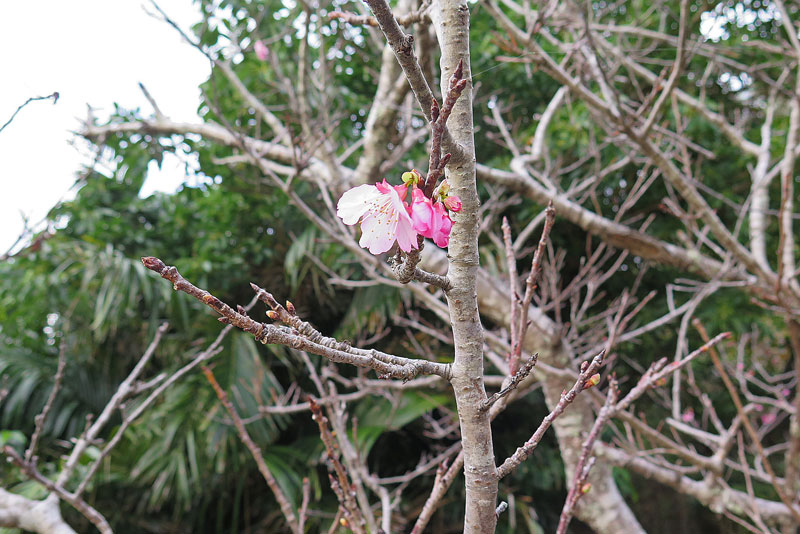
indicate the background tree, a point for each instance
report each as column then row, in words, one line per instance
column 665, row 136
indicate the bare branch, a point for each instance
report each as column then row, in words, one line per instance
column 54, row 96
column 587, row 378
column 40, row 419
column 387, row 366
column 255, row 452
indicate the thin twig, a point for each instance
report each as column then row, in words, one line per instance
column 588, row 377
column 530, row 286
column 518, row 377
column 255, row 452
column 579, row 485
column 340, row 483
column 40, row 419
column 53, row 95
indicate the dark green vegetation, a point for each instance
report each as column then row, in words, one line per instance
column 181, row 467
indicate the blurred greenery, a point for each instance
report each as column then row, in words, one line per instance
column 181, row 468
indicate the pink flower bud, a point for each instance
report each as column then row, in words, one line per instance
column 261, row 50
column 593, row 381
column 453, row 203
column 768, row 418
column 688, row 415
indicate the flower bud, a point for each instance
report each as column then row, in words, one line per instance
column 593, row 381
column 586, row 488
column 412, row 177
column 453, row 203
column 272, row 314
column 290, row 308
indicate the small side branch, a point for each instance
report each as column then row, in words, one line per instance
column 444, row 478
column 255, row 452
column 339, row 483
column 302, row 336
column 407, row 270
column 579, row 485
column 523, row 372
column 54, row 96
column 40, row 419
column 587, row 378
column 520, row 310
column 403, row 48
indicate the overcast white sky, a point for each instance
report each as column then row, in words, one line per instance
column 92, row 52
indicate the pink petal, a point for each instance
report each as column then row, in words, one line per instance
column 442, row 224
column 421, row 213
column 376, row 235
column 406, row 236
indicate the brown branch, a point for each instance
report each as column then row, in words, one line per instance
column 660, row 370
column 406, row 270
column 255, row 452
column 402, row 46
column 444, row 478
column 751, row 431
column 513, row 283
column 289, row 317
column 530, row 286
column 340, row 483
column 518, row 377
column 579, row 485
column 386, row 365
column 588, row 377
column 40, row 419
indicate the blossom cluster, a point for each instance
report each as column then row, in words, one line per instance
column 387, row 216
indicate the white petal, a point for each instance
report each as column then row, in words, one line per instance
column 355, row 203
column 376, row 234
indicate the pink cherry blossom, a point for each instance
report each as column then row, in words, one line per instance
column 430, row 219
column 261, row 50
column 383, row 215
column 688, row 415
